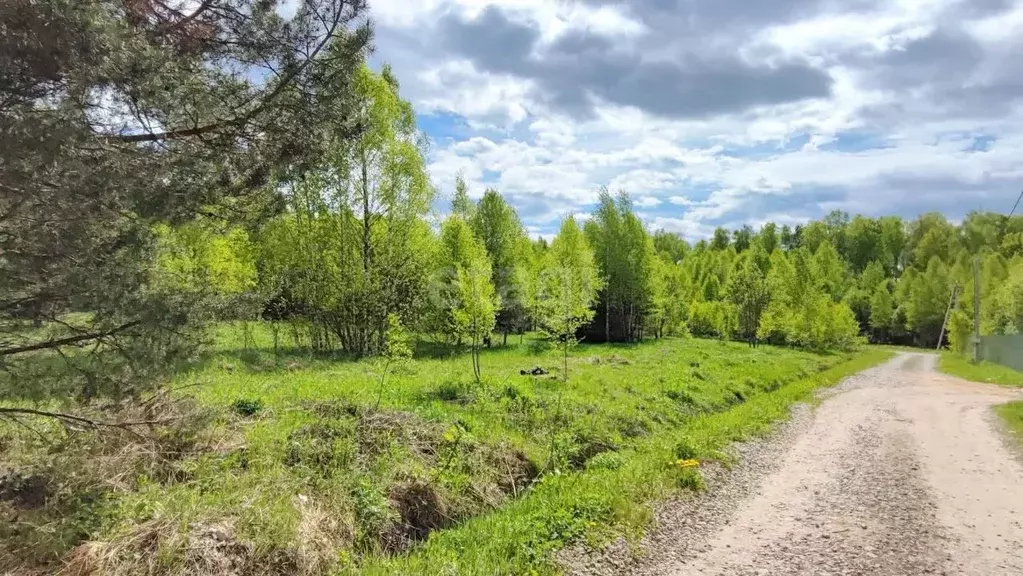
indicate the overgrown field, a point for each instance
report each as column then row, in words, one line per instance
column 290, row 463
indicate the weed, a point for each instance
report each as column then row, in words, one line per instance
column 691, row 479
column 247, row 407
column 605, row 461
column 685, row 449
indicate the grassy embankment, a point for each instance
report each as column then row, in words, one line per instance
column 989, row 372
column 291, row 462
column 1011, row 413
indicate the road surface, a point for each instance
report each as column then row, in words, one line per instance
column 900, row 471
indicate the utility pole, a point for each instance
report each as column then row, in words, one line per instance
column 948, row 312
column 976, row 309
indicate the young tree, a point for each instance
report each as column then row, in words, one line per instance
column 743, row 238
column 721, row 239
column 461, row 204
column 787, row 239
column 768, row 238
column 928, row 297
column 882, row 311
column 829, row 271
column 748, row 291
column 568, row 287
column 356, row 247
column 470, row 303
column 497, row 225
column 625, row 255
column 397, row 351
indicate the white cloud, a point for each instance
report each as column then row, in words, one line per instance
column 884, row 140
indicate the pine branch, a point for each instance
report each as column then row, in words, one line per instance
column 49, row 344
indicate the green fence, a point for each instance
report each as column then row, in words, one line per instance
column 1004, row 350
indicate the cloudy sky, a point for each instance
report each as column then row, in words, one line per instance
column 717, row 112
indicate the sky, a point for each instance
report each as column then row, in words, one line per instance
column 716, row 112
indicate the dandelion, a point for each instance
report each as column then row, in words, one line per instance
column 688, row 463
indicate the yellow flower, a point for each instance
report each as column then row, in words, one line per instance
column 688, row 463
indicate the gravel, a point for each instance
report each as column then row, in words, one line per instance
column 898, row 472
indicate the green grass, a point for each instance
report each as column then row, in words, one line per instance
column 1012, row 415
column 961, row 367
column 317, row 468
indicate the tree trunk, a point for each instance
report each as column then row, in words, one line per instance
column 607, row 315
column 565, row 345
column 366, row 237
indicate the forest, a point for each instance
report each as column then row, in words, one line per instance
column 825, row 284
column 228, row 345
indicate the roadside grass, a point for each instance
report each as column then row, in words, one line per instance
column 295, row 462
column 988, row 372
column 1012, row 415
column 521, row 538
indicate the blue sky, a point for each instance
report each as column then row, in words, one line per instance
column 716, row 112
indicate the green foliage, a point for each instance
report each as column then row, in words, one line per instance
column 927, row 301
column 568, row 287
column 353, row 247
column 496, row 224
column 461, row 204
column 632, row 299
column 882, row 309
column 721, row 239
column 469, row 304
column 124, row 121
column 748, row 291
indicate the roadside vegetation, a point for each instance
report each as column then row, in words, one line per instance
column 1011, row 413
column 293, row 461
column 962, row 367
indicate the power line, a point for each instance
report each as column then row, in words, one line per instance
column 1016, row 205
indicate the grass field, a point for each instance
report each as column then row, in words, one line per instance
column 294, row 462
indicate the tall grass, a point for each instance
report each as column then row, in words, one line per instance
column 303, row 462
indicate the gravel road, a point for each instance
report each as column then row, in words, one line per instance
column 900, row 471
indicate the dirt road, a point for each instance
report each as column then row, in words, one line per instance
column 900, row 471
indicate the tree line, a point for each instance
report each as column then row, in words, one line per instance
column 357, row 243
